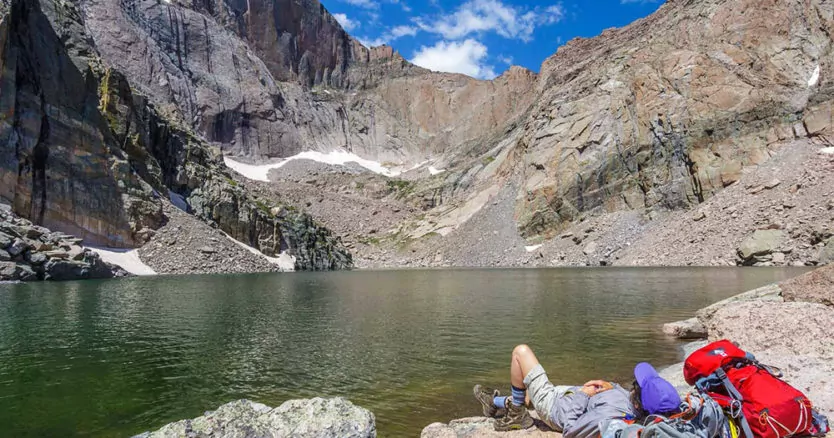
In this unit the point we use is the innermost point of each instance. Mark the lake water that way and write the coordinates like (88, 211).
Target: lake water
(118, 357)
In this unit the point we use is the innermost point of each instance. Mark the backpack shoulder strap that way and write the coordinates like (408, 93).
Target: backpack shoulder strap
(735, 410)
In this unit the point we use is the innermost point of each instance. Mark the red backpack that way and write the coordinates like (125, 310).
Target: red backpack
(753, 394)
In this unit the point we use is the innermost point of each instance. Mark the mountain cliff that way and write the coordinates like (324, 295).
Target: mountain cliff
(85, 154)
(111, 108)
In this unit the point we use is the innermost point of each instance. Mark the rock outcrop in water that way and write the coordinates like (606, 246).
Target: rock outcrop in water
(29, 252)
(87, 154)
(313, 418)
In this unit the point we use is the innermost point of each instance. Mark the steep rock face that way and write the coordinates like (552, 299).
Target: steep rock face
(85, 154)
(59, 164)
(239, 73)
(667, 111)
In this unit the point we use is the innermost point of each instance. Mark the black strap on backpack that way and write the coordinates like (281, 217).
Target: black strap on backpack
(733, 392)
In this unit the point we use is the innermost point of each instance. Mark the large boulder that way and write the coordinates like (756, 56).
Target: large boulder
(790, 328)
(10, 271)
(687, 329)
(793, 336)
(90, 267)
(482, 427)
(812, 375)
(5, 240)
(771, 292)
(760, 243)
(317, 417)
(813, 287)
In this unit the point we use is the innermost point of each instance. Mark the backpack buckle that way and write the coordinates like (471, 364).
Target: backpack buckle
(735, 409)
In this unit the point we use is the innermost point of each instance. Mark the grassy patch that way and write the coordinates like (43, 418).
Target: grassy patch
(263, 206)
(400, 187)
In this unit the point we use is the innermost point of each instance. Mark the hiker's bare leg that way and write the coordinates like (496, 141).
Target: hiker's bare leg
(523, 361)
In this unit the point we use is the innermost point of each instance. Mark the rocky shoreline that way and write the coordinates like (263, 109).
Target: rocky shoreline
(29, 253)
(788, 325)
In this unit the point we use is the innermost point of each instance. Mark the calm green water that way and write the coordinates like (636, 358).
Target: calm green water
(114, 358)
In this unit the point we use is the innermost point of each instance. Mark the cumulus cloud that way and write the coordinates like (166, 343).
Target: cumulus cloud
(389, 36)
(401, 31)
(476, 16)
(371, 42)
(368, 4)
(466, 57)
(346, 22)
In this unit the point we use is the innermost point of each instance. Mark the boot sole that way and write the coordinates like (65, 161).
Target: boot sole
(488, 410)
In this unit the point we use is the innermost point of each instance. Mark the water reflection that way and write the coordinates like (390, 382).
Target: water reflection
(107, 358)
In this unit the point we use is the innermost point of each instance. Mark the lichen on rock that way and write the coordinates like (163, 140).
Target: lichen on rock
(313, 418)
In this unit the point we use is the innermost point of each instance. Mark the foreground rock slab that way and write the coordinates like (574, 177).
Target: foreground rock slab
(482, 427)
(796, 337)
(687, 329)
(815, 287)
(316, 417)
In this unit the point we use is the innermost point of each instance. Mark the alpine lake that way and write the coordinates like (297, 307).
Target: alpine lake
(119, 357)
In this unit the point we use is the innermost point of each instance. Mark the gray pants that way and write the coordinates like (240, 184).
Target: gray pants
(545, 395)
(571, 411)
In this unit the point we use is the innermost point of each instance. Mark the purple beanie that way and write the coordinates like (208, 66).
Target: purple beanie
(656, 394)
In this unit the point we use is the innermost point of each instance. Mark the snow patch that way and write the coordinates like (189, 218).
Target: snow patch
(829, 151)
(259, 172)
(285, 262)
(128, 259)
(815, 77)
(434, 171)
(532, 247)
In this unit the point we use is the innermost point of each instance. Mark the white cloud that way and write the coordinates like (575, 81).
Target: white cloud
(371, 42)
(401, 31)
(466, 57)
(368, 4)
(477, 16)
(390, 35)
(505, 59)
(346, 22)
(554, 14)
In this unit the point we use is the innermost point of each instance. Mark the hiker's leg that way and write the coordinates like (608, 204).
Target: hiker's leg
(544, 396)
(523, 361)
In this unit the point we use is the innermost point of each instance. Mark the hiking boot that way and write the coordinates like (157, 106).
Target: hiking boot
(484, 397)
(517, 418)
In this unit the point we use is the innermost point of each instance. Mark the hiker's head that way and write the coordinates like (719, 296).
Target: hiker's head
(652, 395)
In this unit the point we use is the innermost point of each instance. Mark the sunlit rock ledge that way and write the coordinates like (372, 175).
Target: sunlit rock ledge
(316, 417)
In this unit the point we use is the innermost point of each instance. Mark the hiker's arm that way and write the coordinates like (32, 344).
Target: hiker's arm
(570, 407)
(594, 387)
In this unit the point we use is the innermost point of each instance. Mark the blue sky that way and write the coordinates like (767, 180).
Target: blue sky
(481, 38)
